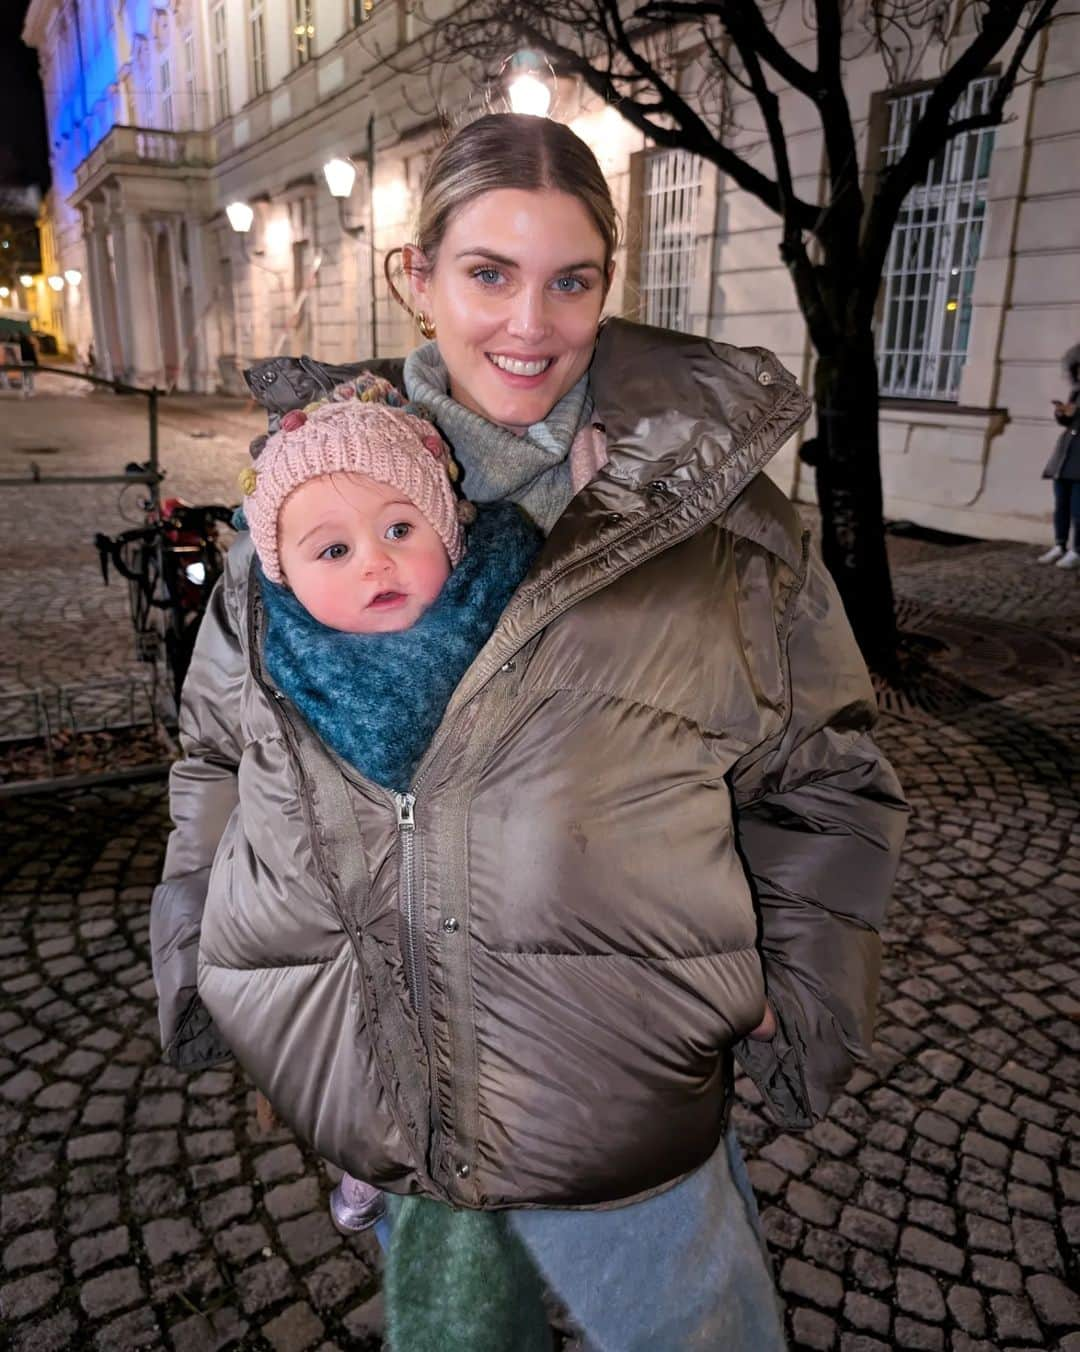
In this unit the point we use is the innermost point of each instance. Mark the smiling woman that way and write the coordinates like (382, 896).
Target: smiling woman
(514, 289)
(649, 835)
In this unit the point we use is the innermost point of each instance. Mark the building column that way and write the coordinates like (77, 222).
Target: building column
(138, 303)
(202, 300)
(99, 286)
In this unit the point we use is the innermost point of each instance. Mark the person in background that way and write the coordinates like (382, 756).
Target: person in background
(29, 354)
(1063, 468)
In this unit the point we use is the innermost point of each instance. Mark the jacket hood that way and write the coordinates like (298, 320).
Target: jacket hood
(677, 406)
(1071, 359)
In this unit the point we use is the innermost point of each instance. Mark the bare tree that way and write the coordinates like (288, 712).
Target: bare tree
(632, 55)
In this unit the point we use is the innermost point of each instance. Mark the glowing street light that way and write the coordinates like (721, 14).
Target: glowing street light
(73, 276)
(340, 176)
(56, 282)
(240, 216)
(5, 291)
(528, 95)
(25, 279)
(530, 83)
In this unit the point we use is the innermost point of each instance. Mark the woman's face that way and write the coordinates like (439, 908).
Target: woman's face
(515, 296)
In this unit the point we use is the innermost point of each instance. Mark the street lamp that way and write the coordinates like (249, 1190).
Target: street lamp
(73, 276)
(5, 291)
(340, 175)
(530, 83)
(240, 216)
(56, 282)
(25, 279)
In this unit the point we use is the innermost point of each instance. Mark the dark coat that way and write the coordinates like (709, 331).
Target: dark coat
(1065, 461)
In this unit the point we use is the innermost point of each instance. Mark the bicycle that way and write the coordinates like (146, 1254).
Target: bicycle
(171, 565)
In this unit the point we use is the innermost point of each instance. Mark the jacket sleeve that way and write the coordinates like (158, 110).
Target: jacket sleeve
(202, 796)
(820, 822)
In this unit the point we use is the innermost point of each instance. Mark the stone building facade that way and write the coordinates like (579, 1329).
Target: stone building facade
(163, 112)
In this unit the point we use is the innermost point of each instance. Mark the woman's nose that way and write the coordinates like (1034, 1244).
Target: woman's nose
(527, 317)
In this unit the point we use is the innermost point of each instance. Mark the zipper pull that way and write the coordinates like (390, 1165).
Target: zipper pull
(405, 818)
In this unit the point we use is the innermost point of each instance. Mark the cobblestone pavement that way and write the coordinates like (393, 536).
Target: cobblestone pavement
(937, 1207)
(62, 628)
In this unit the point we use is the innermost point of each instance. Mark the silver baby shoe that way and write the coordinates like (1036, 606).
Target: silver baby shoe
(355, 1206)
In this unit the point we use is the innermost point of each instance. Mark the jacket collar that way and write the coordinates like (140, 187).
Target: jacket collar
(689, 423)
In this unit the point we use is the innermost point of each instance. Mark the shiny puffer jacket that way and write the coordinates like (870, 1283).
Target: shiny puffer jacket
(651, 799)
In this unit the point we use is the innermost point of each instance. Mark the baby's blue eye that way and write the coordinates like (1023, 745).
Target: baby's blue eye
(334, 552)
(398, 530)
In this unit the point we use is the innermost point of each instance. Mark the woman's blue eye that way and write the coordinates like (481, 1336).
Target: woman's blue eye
(334, 552)
(568, 285)
(489, 276)
(398, 530)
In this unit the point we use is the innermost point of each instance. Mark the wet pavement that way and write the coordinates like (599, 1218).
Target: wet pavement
(937, 1207)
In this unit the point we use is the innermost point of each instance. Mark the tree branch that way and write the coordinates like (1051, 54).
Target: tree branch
(752, 23)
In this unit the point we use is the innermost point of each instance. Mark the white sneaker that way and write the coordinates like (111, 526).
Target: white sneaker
(1051, 556)
(1070, 559)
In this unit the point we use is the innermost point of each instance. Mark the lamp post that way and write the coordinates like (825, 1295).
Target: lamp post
(340, 175)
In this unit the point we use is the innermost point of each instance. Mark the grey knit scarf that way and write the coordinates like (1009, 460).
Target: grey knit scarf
(532, 470)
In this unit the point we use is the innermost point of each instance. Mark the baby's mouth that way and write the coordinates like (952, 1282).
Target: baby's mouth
(384, 599)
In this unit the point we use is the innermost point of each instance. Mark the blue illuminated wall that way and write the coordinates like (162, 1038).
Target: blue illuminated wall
(96, 46)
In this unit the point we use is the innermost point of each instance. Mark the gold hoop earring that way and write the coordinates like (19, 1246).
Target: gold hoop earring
(426, 327)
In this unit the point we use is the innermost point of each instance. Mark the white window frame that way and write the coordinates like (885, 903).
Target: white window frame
(168, 120)
(257, 48)
(219, 42)
(671, 194)
(188, 48)
(929, 276)
(303, 33)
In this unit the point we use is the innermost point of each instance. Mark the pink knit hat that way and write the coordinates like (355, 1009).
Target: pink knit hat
(356, 435)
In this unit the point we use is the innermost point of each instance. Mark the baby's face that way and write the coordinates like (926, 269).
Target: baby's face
(358, 555)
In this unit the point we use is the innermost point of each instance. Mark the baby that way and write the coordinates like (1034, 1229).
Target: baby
(375, 598)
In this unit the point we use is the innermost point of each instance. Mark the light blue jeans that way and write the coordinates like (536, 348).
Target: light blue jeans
(684, 1270)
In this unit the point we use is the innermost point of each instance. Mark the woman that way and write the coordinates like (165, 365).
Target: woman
(1063, 468)
(651, 804)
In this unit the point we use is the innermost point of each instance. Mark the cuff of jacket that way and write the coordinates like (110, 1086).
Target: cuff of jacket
(777, 1066)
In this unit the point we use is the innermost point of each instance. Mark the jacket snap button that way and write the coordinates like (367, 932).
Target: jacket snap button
(764, 378)
(450, 925)
(462, 1170)
(508, 666)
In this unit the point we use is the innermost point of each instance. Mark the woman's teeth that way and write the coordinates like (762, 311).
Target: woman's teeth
(521, 368)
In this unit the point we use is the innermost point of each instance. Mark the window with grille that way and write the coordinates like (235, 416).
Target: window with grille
(257, 38)
(672, 188)
(930, 271)
(303, 32)
(219, 43)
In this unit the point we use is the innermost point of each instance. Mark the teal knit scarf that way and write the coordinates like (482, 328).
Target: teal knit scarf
(377, 699)
(532, 470)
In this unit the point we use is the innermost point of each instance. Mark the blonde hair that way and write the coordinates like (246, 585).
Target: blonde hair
(512, 150)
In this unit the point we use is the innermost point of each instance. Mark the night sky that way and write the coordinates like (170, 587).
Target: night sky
(23, 152)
